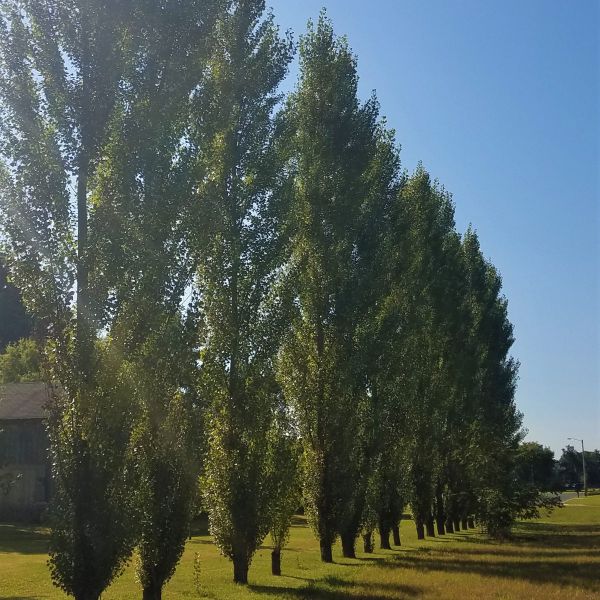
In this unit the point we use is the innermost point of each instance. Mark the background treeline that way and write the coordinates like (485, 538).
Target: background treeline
(536, 465)
(244, 303)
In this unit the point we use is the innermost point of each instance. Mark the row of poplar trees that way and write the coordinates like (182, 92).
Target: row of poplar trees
(244, 303)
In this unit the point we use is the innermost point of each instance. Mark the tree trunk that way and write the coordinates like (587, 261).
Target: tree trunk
(83, 337)
(429, 524)
(276, 561)
(420, 530)
(348, 542)
(396, 535)
(449, 526)
(384, 538)
(440, 516)
(326, 554)
(152, 592)
(441, 529)
(471, 523)
(240, 570)
(464, 524)
(368, 542)
(456, 523)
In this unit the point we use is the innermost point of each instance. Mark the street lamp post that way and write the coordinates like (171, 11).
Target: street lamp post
(583, 461)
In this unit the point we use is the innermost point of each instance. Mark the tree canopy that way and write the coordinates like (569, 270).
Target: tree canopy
(241, 300)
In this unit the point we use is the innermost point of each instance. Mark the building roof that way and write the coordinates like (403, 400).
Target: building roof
(23, 401)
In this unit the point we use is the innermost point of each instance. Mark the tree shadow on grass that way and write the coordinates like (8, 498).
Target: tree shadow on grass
(365, 560)
(556, 535)
(407, 590)
(542, 535)
(358, 591)
(23, 539)
(562, 572)
(201, 541)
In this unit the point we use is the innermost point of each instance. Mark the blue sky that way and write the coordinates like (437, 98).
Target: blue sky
(500, 100)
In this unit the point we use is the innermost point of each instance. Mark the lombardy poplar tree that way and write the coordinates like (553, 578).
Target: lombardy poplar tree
(61, 67)
(139, 197)
(379, 345)
(66, 69)
(381, 181)
(164, 449)
(496, 431)
(235, 239)
(332, 142)
(428, 236)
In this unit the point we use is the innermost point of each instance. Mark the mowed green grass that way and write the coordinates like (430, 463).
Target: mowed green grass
(553, 557)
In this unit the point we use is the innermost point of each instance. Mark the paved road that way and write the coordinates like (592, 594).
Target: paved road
(568, 496)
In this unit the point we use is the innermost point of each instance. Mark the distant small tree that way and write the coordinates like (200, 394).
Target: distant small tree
(570, 466)
(21, 361)
(592, 466)
(14, 321)
(164, 453)
(286, 494)
(535, 466)
(369, 518)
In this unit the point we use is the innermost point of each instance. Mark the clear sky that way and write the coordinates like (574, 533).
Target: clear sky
(500, 100)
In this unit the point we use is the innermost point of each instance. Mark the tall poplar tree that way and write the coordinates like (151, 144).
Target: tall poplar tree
(332, 143)
(378, 431)
(60, 72)
(496, 429)
(66, 68)
(141, 263)
(425, 301)
(235, 239)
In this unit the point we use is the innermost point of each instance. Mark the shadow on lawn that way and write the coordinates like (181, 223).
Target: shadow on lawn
(526, 553)
(356, 590)
(522, 566)
(555, 535)
(22, 539)
(540, 535)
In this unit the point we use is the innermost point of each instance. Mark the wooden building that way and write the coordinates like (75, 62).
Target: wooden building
(24, 464)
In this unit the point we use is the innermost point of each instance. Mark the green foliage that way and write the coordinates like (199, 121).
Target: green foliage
(61, 66)
(210, 275)
(285, 468)
(76, 81)
(570, 467)
(15, 324)
(235, 241)
(536, 466)
(141, 265)
(92, 509)
(333, 150)
(166, 483)
(496, 430)
(21, 361)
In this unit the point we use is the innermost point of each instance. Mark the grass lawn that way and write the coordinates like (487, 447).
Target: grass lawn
(554, 557)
